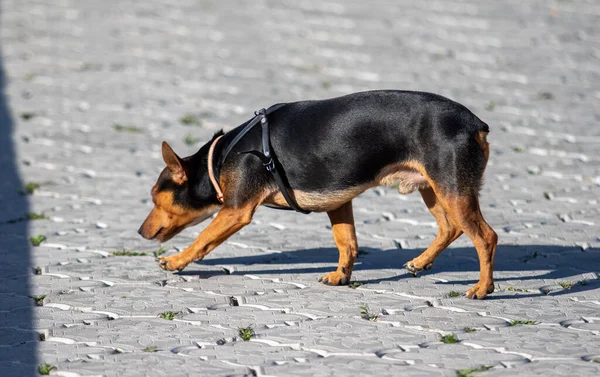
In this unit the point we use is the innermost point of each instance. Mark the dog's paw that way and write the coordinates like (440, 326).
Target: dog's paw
(414, 267)
(480, 290)
(335, 278)
(172, 263)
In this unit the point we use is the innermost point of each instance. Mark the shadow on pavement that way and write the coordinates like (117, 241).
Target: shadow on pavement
(540, 262)
(18, 341)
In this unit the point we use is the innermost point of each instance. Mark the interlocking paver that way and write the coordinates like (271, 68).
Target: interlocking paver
(91, 88)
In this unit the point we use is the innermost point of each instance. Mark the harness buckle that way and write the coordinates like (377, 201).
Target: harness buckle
(269, 165)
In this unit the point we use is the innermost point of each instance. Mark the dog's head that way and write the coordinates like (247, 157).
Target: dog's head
(182, 196)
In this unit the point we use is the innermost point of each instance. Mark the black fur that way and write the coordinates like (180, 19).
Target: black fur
(342, 142)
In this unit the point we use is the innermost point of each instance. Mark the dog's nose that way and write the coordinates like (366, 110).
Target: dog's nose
(140, 232)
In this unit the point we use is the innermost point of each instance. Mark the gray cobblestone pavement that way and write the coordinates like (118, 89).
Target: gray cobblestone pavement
(91, 88)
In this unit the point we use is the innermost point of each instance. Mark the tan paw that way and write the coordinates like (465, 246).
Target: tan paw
(480, 290)
(335, 278)
(172, 263)
(416, 265)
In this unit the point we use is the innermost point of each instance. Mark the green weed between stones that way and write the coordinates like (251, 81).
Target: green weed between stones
(190, 140)
(246, 333)
(30, 216)
(131, 129)
(151, 349)
(449, 339)
(468, 372)
(491, 106)
(521, 322)
(37, 240)
(28, 115)
(566, 284)
(190, 120)
(355, 284)
(513, 289)
(45, 369)
(365, 313)
(39, 299)
(128, 253)
(454, 294)
(545, 96)
(161, 250)
(169, 316)
(29, 188)
(470, 329)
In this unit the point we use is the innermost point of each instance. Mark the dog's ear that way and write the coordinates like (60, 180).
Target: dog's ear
(174, 163)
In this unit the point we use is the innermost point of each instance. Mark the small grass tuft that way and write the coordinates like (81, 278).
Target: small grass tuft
(522, 322)
(545, 96)
(449, 339)
(365, 313)
(39, 299)
(37, 240)
(128, 253)
(246, 333)
(151, 349)
(566, 284)
(190, 140)
(325, 84)
(355, 284)
(36, 216)
(468, 372)
(169, 316)
(30, 187)
(161, 250)
(454, 294)
(519, 149)
(123, 128)
(470, 329)
(45, 369)
(30, 216)
(513, 289)
(28, 115)
(491, 106)
(190, 120)
(29, 76)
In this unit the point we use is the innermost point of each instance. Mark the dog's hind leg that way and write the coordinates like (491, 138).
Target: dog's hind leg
(344, 234)
(447, 233)
(466, 214)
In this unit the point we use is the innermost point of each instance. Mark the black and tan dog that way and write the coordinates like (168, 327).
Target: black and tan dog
(331, 151)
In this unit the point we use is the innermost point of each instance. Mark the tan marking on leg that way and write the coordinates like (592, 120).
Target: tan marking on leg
(344, 234)
(466, 214)
(447, 233)
(227, 222)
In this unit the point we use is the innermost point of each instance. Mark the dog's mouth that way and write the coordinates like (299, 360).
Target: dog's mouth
(157, 234)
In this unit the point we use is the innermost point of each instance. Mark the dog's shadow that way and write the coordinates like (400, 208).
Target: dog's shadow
(528, 262)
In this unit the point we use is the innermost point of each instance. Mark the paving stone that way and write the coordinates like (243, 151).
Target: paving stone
(88, 90)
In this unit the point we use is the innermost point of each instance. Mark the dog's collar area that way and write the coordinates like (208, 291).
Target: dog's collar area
(211, 172)
(267, 158)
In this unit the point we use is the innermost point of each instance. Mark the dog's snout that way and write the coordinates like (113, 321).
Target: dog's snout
(140, 232)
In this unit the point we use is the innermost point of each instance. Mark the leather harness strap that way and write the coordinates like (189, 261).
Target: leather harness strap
(267, 158)
(211, 172)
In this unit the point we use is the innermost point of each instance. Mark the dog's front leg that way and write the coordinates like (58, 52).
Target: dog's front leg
(342, 223)
(227, 222)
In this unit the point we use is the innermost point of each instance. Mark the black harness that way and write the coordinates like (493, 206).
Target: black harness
(267, 158)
